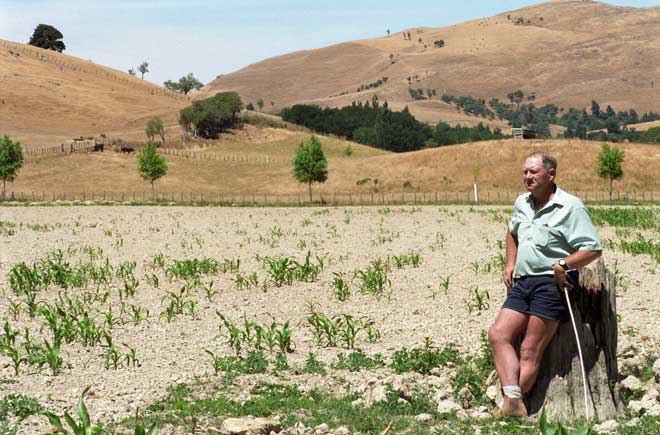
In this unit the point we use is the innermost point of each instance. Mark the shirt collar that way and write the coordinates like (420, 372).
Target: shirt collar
(559, 199)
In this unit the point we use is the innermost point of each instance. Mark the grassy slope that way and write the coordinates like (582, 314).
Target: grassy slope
(497, 165)
(568, 54)
(48, 97)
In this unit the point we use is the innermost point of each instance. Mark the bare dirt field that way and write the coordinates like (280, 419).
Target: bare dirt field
(456, 245)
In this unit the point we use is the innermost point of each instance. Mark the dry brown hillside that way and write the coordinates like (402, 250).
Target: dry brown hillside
(263, 166)
(47, 97)
(566, 53)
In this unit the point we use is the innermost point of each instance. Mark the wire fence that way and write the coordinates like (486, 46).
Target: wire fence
(302, 198)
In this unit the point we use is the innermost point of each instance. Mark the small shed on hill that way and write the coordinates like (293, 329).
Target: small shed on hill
(523, 133)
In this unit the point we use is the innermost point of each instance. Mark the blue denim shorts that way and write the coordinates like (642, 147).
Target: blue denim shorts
(540, 296)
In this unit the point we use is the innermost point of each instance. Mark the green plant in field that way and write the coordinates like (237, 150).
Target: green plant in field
(342, 290)
(479, 300)
(234, 336)
(548, 428)
(138, 314)
(423, 359)
(230, 265)
(177, 303)
(313, 365)
(307, 270)
(53, 357)
(209, 291)
(216, 362)
(358, 360)
(374, 280)
(328, 331)
(412, 259)
(281, 270)
(85, 426)
(14, 409)
(444, 284)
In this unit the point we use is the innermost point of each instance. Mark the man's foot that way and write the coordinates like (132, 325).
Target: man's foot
(512, 408)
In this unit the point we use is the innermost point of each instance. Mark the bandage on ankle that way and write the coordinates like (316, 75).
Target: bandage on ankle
(512, 391)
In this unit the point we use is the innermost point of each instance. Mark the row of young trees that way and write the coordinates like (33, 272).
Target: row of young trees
(309, 164)
(380, 127)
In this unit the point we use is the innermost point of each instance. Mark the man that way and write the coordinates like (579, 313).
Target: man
(550, 235)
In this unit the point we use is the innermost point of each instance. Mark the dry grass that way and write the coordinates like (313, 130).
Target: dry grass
(497, 165)
(49, 97)
(568, 54)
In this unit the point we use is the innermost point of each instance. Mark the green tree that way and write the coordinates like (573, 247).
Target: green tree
(185, 84)
(595, 109)
(131, 71)
(151, 165)
(211, 116)
(143, 68)
(11, 161)
(610, 164)
(155, 127)
(48, 37)
(309, 164)
(260, 103)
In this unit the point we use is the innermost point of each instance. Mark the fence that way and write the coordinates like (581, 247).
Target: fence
(301, 198)
(224, 157)
(67, 147)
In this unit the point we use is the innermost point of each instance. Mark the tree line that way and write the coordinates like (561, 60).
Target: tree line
(378, 126)
(520, 111)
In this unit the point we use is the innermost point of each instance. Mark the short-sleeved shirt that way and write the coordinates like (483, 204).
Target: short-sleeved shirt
(560, 228)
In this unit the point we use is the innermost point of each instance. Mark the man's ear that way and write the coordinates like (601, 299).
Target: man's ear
(552, 173)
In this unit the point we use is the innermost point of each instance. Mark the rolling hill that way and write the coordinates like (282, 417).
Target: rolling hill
(563, 52)
(47, 97)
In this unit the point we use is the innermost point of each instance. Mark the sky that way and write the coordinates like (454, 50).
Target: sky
(209, 38)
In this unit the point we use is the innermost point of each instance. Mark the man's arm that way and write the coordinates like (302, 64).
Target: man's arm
(511, 255)
(576, 260)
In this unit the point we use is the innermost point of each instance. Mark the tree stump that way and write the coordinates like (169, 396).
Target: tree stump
(559, 385)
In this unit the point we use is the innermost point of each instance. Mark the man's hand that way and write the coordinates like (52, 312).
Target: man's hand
(563, 281)
(507, 276)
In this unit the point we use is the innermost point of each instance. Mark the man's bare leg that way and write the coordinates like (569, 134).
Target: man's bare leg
(539, 333)
(506, 328)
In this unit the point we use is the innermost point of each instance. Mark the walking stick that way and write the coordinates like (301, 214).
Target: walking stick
(577, 339)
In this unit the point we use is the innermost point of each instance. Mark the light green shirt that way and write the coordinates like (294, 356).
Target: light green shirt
(560, 228)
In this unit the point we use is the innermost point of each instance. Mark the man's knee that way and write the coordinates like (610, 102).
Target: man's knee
(497, 335)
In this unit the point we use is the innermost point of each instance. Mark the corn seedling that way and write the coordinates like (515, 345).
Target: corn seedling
(13, 352)
(234, 336)
(53, 357)
(342, 290)
(130, 356)
(216, 362)
(308, 271)
(374, 279)
(138, 314)
(230, 265)
(480, 300)
(281, 270)
(412, 259)
(14, 309)
(209, 291)
(152, 280)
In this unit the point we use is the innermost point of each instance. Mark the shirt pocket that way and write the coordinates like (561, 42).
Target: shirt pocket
(545, 236)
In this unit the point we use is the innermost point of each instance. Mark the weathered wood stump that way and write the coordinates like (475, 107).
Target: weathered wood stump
(559, 387)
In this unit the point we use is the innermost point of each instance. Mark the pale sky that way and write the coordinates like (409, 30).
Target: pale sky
(209, 38)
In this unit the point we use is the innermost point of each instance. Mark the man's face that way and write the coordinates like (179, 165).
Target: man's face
(535, 176)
